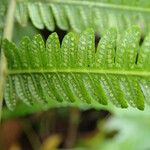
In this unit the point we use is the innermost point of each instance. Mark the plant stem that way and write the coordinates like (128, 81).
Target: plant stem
(31, 134)
(9, 23)
(7, 34)
(73, 127)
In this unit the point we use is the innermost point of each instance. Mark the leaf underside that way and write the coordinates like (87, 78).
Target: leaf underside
(117, 71)
(79, 14)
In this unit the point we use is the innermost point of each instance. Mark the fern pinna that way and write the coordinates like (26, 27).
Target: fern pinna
(79, 14)
(117, 71)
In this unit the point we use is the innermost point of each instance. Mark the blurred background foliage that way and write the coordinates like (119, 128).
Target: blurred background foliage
(78, 129)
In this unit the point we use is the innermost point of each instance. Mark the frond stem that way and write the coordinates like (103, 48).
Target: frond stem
(9, 23)
(82, 71)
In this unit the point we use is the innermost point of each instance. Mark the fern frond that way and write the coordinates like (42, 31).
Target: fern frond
(79, 14)
(117, 71)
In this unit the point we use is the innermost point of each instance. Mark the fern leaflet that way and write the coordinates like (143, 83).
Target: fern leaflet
(75, 72)
(77, 15)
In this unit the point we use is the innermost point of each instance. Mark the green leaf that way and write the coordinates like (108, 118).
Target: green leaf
(79, 14)
(131, 130)
(75, 72)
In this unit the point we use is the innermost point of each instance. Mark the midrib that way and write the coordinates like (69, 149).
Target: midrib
(102, 5)
(83, 71)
